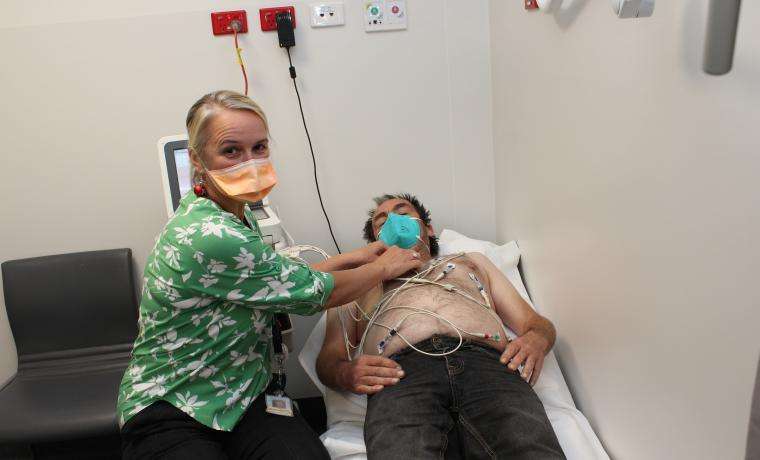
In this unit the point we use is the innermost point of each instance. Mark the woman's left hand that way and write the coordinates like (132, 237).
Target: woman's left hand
(353, 259)
(370, 253)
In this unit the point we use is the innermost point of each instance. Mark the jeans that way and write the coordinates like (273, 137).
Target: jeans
(463, 405)
(161, 431)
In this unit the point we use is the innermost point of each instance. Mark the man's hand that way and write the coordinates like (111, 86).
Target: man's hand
(530, 350)
(369, 374)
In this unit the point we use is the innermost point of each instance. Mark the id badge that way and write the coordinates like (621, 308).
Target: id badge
(279, 405)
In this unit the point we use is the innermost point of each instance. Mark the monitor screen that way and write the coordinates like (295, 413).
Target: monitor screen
(178, 170)
(184, 170)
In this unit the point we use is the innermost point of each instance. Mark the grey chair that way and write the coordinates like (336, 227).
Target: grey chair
(74, 319)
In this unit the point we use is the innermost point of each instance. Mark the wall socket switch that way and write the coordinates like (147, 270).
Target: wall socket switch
(380, 15)
(327, 14)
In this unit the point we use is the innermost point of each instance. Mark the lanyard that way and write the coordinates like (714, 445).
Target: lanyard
(279, 379)
(277, 334)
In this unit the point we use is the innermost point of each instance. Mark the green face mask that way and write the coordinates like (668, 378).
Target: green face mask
(399, 230)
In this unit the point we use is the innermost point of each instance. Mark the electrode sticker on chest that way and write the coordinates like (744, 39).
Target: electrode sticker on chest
(387, 314)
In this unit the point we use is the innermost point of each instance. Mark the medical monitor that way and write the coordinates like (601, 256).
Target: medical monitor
(176, 172)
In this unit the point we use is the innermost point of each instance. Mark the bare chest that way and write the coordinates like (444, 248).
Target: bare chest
(452, 298)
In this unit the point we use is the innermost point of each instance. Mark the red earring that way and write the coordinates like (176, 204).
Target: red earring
(200, 189)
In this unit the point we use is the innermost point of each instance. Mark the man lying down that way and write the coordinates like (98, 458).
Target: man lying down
(430, 349)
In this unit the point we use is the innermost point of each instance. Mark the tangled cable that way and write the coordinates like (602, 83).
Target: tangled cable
(382, 307)
(420, 279)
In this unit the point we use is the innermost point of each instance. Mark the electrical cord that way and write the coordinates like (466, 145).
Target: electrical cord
(311, 149)
(294, 252)
(387, 299)
(235, 25)
(383, 307)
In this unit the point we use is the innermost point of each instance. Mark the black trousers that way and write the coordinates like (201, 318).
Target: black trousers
(464, 405)
(161, 431)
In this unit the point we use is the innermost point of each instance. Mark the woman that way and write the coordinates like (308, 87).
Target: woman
(201, 361)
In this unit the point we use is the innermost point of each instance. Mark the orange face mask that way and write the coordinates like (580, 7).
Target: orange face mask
(249, 181)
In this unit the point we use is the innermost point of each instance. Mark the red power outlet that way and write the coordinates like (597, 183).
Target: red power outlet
(268, 17)
(220, 22)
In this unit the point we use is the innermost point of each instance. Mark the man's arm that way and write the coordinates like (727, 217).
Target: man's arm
(363, 375)
(333, 354)
(536, 334)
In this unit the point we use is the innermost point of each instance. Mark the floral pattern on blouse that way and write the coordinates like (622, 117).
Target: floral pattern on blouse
(211, 288)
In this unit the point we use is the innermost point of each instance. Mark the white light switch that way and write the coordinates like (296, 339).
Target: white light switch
(327, 14)
(382, 15)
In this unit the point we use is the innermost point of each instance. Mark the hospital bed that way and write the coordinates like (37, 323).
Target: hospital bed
(344, 437)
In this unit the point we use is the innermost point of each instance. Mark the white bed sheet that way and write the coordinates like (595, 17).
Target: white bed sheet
(344, 438)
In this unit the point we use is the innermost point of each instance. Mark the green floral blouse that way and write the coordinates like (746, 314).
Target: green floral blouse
(210, 291)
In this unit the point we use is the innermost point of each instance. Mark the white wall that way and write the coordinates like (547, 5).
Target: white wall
(629, 178)
(88, 88)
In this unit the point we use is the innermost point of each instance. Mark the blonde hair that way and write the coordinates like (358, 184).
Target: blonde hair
(203, 111)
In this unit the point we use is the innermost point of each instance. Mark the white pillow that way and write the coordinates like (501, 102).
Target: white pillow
(345, 411)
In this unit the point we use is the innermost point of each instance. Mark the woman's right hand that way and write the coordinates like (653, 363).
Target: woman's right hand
(354, 283)
(396, 261)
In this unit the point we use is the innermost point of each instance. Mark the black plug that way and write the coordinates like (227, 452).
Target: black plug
(286, 36)
(285, 30)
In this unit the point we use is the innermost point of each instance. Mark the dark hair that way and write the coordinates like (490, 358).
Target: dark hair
(369, 234)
